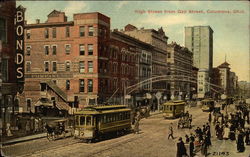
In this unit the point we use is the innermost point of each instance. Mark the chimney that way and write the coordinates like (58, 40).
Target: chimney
(37, 21)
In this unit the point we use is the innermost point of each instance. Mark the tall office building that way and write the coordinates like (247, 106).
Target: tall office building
(199, 40)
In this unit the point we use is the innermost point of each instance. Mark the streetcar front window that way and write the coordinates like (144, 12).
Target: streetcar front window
(77, 120)
(88, 121)
(82, 120)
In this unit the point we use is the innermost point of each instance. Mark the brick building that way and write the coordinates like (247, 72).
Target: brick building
(8, 81)
(180, 62)
(62, 59)
(136, 57)
(158, 40)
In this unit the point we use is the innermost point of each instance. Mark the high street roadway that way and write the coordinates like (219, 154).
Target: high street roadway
(151, 142)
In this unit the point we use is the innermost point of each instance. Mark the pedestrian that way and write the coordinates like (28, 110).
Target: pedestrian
(187, 138)
(190, 121)
(181, 149)
(137, 119)
(170, 131)
(191, 147)
(247, 140)
(210, 117)
(226, 132)
(205, 146)
(240, 142)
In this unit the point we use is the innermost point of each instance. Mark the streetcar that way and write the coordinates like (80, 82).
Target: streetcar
(208, 105)
(93, 122)
(173, 109)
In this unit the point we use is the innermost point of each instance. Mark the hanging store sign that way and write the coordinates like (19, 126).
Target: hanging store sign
(19, 31)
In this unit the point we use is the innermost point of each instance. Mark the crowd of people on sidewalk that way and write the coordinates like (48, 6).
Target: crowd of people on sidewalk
(226, 127)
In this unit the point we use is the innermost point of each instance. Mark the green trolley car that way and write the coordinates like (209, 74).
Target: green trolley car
(94, 121)
(173, 109)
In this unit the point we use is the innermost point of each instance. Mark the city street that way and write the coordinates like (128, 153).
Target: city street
(151, 142)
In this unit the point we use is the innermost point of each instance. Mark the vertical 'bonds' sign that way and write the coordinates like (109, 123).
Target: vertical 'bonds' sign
(19, 31)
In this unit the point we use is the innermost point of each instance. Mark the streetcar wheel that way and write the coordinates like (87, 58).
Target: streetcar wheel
(49, 136)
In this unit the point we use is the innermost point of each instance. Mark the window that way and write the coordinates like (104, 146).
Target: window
(67, 49)
(90, 66)
(67, 66)
(90, 85)
(169, 55)
(46, 33)
(88, 120)
(28, 104)
(82, 31)
(28, 50)
(53, 32)
(90, 49)
(81, 86)
(82, 49)
(67, 32)
(46, 66)
(54, 66)
(54, 50)
(28, 66)
(82, 120)
(28, 34)
(3, 30)
(46, 50)
(91, 31)
(67, 84)
(81, 67)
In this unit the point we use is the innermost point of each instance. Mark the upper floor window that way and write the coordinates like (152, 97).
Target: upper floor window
(81, 67)
(28, 34)
(67, 32)
(46, 33)
(90, 85)
(82, 31)
(67, 84)
(53, 32)
(54, 49)
(28, 49)
(90, 49)
(46, 50)
(28, 64)
(82, 49)
(4, 70)
(90, 66)
(54, 66)
(91, 31)
(46, 66)
(81, 86)
(3, 30)
(67, 66)
(67, 49)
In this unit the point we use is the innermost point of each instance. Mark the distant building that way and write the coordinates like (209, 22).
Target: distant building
(203, 83)
(225, 81)
(179, 59)
(199, 40)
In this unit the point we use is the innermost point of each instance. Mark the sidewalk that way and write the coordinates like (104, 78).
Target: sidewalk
(25, 138)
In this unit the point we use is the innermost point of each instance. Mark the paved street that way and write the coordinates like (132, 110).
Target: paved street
(151, 142)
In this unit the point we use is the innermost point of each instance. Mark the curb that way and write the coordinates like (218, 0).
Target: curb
(21, 140)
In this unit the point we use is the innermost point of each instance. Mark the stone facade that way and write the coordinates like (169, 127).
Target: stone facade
(199, 40)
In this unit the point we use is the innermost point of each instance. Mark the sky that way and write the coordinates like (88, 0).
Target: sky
(230, 23)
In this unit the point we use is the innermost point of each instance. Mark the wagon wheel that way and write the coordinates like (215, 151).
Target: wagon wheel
(50, 136)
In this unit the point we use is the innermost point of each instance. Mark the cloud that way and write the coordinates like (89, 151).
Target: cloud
(168, 20)
(75, 7)
(180, 3)
(121, 4)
